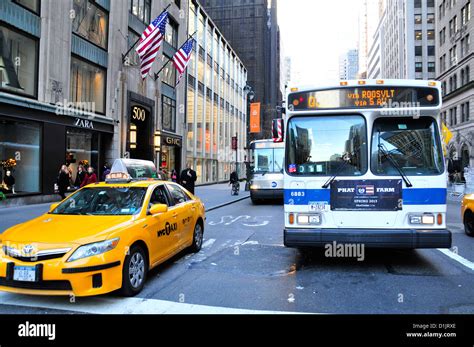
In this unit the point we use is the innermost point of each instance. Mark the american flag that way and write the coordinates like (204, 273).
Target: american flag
(150, 43)
(182, 56)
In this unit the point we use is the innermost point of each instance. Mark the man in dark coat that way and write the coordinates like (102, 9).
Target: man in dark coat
(188, 178)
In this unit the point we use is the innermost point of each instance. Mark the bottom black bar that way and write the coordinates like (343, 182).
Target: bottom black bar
(322, 330)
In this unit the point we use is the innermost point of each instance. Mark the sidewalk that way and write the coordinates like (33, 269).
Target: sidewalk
(212, 196)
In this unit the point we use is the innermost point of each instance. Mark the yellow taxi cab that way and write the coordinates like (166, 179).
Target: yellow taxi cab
(102, 238)
(467, 214)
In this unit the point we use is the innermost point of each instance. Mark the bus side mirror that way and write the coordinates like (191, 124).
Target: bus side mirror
(158, 209)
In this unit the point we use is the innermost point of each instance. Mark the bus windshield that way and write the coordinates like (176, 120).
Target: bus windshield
(268, 160)
(327, 145)
(414, 144)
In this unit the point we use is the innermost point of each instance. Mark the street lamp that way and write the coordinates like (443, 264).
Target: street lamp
(248, 90)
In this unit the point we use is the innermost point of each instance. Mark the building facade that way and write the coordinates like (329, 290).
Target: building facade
(374, 62)
(455, 57)
(408, 36)
(369, 17)
(216, 103)
(252, 29)
(349, 65)
(69, 93)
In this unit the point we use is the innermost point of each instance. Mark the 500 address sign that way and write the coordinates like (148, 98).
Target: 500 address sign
(138, 113)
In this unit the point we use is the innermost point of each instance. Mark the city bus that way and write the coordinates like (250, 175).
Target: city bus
(364, 165)
(266, 181)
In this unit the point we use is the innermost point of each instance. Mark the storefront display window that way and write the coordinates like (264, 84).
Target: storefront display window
(18, 62)
(19, 157)
(82, 148)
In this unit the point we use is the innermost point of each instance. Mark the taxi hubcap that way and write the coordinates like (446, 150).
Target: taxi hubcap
(137, 270)
(198, 235)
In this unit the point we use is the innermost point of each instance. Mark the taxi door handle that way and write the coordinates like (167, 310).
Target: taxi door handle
(175, 215)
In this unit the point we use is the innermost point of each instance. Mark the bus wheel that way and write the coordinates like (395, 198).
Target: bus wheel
(469, 223)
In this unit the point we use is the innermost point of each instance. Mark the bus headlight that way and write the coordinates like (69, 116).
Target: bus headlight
(309, 219)
(425, 219)
(254, 186)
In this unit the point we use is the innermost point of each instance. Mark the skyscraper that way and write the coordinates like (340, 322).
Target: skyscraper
(408, 40)
(349, 65)
(252, 30)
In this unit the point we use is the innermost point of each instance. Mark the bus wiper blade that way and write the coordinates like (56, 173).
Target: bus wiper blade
(345, 161)
(392, 161)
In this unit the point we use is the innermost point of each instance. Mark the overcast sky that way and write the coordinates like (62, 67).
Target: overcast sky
(314, 33)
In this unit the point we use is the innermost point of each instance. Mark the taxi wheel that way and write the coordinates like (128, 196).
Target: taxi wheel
(135, 269)
(197, 238)
(469, 223)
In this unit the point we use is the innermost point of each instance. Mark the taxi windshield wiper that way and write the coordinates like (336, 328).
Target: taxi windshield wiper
(392, 161)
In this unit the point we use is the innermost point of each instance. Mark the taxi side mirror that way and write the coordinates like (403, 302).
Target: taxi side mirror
(158, 209)
(53, 206)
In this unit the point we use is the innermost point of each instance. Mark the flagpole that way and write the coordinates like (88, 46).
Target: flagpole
(169, 59)
(124, 56)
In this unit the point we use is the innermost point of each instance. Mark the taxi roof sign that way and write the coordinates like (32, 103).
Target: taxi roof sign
(132, 169)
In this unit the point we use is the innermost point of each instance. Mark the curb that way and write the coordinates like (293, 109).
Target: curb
(226, 204)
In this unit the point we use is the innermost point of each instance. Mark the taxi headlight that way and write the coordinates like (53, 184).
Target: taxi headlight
(93, 249)
(309, 219)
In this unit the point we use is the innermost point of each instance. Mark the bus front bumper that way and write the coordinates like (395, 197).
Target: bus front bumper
(371, 238)
(266, 194)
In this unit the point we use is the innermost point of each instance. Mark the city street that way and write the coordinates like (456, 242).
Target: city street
(243, 267)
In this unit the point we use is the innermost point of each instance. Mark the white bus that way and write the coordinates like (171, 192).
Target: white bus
(266, 181)
(364, 165)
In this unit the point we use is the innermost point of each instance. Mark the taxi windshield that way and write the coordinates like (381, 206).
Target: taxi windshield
(106, 201)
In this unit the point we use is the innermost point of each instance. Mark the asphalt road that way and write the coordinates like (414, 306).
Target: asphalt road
(244, 267)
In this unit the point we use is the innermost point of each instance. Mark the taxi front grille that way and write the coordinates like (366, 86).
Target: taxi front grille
(40, 285)
(37, 258)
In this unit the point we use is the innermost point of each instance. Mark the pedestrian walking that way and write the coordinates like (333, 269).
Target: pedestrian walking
(188, 179)
(174, 176)
(105, 172)
(90, 178)
(63, 181)
(80, 176)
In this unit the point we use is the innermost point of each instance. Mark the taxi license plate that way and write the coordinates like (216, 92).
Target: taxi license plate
(24, 273)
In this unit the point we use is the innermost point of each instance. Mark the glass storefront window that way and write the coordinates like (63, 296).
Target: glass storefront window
(87, 86)
(208, 126)
(90, 22)
(199, 120)
(216, 130)
(190, 119)
(168, 113)
(20, 141)
(201, 70)
(18, 62)
(32, 5)
(82, 147)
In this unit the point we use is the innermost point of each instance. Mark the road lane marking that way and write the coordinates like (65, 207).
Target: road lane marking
(458, 258)
(208, 243)
(103, 305)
